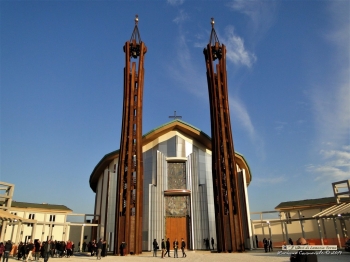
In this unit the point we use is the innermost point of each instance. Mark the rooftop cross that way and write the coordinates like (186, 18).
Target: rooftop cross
(175, 116)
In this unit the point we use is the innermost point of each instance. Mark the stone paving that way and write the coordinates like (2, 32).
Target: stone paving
(206, 256)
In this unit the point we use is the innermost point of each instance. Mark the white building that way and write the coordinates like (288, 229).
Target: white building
(21, 221)
(49, 222)
(321, 221)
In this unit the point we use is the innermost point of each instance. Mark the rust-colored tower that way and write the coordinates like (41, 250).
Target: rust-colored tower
(130, 165)
(227, 203)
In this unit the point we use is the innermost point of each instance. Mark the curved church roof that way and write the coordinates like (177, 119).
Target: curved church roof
(176, 124)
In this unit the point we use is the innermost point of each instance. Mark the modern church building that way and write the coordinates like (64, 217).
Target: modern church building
(178, 200)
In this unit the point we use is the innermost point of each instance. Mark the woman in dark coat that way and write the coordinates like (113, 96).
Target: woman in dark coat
(20, 251)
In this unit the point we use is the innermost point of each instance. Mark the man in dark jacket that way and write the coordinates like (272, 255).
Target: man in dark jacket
(183, 245)
(37, 249)
(52, 248)
(47, 250)
(269, 244)
(8, 248)
(265, 244)
(99, 248)
(163, 247)
(167, 245)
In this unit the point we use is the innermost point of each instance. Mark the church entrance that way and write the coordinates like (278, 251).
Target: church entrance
(177, 221)
(177, 228)
(177, 205)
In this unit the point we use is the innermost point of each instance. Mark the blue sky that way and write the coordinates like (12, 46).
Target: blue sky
(62, 86)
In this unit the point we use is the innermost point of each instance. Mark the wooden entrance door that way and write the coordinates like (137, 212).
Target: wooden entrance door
(177, 228)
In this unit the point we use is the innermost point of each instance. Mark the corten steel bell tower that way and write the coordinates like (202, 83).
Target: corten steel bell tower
(227, 189)
(130, 165)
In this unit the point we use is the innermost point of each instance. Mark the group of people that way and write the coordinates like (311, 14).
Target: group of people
(44, 249)
(98, 248)
(165, 246)
(5, 250)
(207, 245)
(267, 245)
(299, 256)
(34, 251)
(30, 251)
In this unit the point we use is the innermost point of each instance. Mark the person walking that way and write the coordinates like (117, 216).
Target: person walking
(69, 248)
(269, 242)
(155, 247)
(167, 245)
(163, 247)
(93, 248)
(30, 248)
(183, 245)
(7, 250)
(212, 243)
(47, 250)
(37, 246)
(265, 244)
(175, 246)
(99, 248)
(19, 251)
(2, 249)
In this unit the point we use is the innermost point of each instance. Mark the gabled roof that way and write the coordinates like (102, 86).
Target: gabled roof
(182, 126)
(176, 124)
(44, 206)
(307, 203)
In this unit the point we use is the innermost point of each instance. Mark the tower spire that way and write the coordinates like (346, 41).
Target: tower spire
(216, 48)
(129, 193)
(213, 36)
(135, 36)
(228, 201)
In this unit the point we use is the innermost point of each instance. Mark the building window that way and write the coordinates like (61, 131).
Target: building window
(52, 219)
(31, 216)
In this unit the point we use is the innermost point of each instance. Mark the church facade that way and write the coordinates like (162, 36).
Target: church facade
(178, 199)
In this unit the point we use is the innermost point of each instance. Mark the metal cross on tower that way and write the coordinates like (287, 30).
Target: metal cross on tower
(228, 200)
(130, 165)
(175, 116)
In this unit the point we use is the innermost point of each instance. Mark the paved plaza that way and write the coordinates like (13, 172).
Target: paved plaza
(206, 256)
